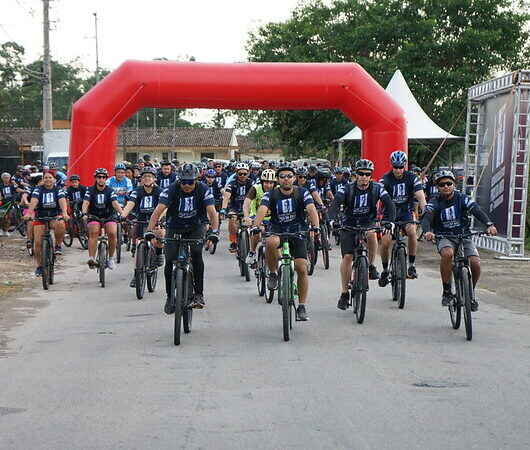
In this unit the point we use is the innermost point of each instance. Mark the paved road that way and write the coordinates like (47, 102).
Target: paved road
(96, 369)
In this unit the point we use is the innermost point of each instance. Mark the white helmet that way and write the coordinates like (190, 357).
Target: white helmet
(268, 175)
(241, 166)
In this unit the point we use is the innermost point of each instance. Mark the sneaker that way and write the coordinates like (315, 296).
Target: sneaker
(411, 273)
(29, 244)
(272, 282)
(160, 260)
(474, 305)
(383, 279)
(169, 307)
(447, 298)
(344, 301)
(58, 250)
(111, 264)
(7, 233)
(38, 271)
(301, 313)
(91, 263)
(233, 247)
(198, 301)
(373, 273)
(133, 282)
(2, 233)
(251, 258)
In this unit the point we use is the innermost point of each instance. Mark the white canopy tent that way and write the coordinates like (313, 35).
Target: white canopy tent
(419, 125)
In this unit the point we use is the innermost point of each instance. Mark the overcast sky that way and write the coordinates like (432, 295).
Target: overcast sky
(209, 30)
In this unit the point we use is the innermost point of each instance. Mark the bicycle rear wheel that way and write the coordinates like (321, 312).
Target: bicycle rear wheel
(187, 313)
(152, 270)
(360, 289)
(45, 250)
(102, 262)
(324, 240)
(140, 269)
(82, 234)
(284, 296)
(177, 291)
(467, 290)
(400, 275)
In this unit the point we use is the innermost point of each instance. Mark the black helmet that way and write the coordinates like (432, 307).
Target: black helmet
(285, 166)
(364, 164)
(188, 172)
(301, 171)
(74, 177)
(338, 170)
(323, 172)
(101, 171)
(313, 168)
(148, 169)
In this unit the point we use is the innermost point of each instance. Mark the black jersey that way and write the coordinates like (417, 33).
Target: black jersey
(100, 201)
(287, 211)
(7, 191)
(451, 215)
(165, 180)
(145, 202)
(75, 195)
(238, 193)
(48, 201)
(186, 210)
(402, 190)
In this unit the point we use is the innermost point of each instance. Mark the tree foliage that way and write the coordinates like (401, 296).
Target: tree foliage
(441, 46)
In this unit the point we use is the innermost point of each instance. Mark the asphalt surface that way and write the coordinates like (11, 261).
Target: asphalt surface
(96, 369)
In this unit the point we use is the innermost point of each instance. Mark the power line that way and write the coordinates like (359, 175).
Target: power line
(29, 11)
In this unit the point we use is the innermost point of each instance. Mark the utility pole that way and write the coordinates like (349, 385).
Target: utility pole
(97, 48)
(47, 120)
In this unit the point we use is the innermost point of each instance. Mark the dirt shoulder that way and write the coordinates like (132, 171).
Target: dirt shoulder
(503, 282)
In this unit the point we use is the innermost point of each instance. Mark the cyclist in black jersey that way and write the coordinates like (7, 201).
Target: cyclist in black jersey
(75, 193)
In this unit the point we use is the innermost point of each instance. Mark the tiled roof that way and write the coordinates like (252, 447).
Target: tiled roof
(179, 137)
(23, 136)
(247, 143)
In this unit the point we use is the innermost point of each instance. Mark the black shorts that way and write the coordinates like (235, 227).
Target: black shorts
(347, 240)
(297, 246)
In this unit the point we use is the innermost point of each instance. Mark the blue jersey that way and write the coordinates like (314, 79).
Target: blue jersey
(451, 216)
(238, 192)
(7, 191)
(402, 190)
(120, 188)
(287, 211)
(186, 210)
(145, 202)
(360, 205)
(165, 180)
(100, 201)
(48, 201)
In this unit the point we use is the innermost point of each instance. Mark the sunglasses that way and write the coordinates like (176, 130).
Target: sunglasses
(364, 174)
(301, 176)
(101, 176)
(447, 183)
(286, 175)
(187, 182)
(242, 174)
(398, 167)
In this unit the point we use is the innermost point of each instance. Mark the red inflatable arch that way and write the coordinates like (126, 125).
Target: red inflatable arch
(274, 86)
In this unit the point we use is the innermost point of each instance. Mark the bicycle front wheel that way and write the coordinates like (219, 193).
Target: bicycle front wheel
(187, 312)
(467, 290)
(45, 251)
(68, 238)
(140, 269)
(284, 296)
(119, 242)
(244, 249)
(177, 291)
(260, 272)
(311, 256)
(360, 288)
(152, 270)
(324, 240)
(102, 262)
(400, 275)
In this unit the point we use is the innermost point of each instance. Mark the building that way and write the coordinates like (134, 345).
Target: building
(249, 149)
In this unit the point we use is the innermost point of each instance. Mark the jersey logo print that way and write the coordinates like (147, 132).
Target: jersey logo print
(399, 190)
(48, 198)
(188, 204)
(449, 214)
(287, 206)
(100, 199)
(148, 202)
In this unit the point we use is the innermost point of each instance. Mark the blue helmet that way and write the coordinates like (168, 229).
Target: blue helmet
(398, 158)
(120, 166)
(210, 173)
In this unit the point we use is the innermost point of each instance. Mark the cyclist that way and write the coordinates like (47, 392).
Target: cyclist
(120, 184)
(8, 194)
(338, 180)
(47, 200)
(75, 193)
(403, 187)
(233, 197)
(101, 201)
(254, 171)
(251, 204)
(210, 181)
(129, 173)
(448, 213)
(287, 205)
(302, 180)
(60, 177)
(166, 176)
(143, 200)
(220, 175)
(359, 200)
(188, 203)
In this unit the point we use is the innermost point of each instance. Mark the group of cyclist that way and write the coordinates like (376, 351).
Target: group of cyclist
(192, 199)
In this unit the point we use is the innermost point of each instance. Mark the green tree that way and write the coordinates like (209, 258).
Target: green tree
(441, 46)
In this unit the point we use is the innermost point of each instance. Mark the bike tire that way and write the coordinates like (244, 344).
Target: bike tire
(45, 249)
(187, 313)
(284, 295)
(243, 252)
(455, 308)
(119, 242)
(140, 270)
(213, 248)
(337, 237)
(361, 287)
(51, 265)
(69, 235)
(401, 277)
(102, 262)
(311, 254)
(324, 240)
(467, 289)
(260, 272)
(22, 228)
(152, 270)
(177, 292)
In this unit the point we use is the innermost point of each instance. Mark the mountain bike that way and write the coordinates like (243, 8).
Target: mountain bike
(324, 238)
(465, 293)
(182, 287)
(243, 245)
(119, 241)
(287, 288)
(76, 228)
(359, 285)
(102, 254)
(262, 270)
(398, 263)
(312, 254)
(146, 267)
(47, 252)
